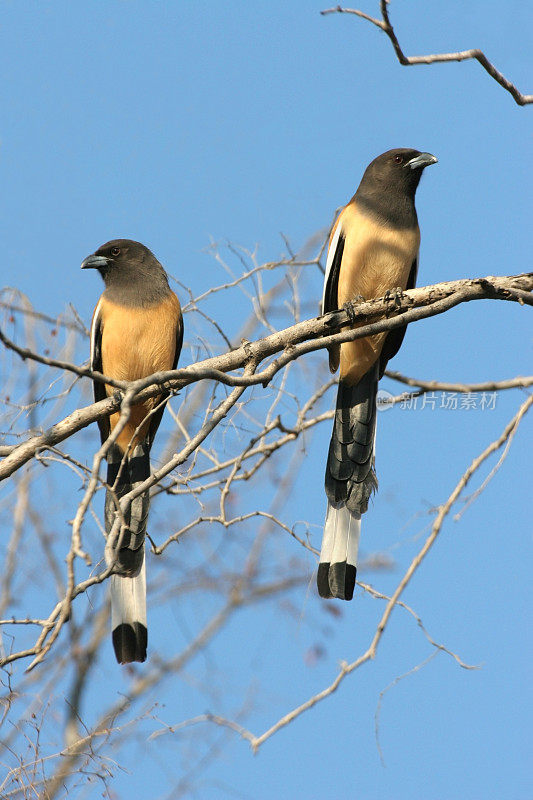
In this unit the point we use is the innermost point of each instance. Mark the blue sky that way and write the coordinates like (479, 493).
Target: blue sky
(180, 124)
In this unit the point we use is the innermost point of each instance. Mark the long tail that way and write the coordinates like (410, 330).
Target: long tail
(350, 480)
(128, 589)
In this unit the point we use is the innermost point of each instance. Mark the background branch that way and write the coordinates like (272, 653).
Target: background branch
(385, 25)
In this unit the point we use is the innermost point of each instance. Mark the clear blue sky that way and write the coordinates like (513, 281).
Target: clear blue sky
(179, 123)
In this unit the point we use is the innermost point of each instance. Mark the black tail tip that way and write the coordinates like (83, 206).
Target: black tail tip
(322, 580)
(130, 642)
(336, 580)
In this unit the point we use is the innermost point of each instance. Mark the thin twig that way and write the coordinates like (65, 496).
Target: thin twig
(348, 668)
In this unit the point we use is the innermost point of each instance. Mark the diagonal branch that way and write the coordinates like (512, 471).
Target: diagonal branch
(384, 24)
(443, 511)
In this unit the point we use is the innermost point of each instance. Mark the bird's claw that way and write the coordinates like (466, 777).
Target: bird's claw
(394, 296)
(349, 307)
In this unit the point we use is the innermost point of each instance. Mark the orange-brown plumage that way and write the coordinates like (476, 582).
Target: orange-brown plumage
(376, 258)
(137, 342)
(137, 330)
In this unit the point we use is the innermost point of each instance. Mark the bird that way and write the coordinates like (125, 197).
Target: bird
(373, 250)
(137, 330)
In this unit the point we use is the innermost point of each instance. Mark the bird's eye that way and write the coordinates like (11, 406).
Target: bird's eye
(115, 251)
(398, 159)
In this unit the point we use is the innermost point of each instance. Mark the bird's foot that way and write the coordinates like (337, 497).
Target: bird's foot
(394, 296)
(349, 307)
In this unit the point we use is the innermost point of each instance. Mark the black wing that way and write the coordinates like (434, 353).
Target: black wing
(394, 339)
(156, 417)
(330, 297)
(96, 365)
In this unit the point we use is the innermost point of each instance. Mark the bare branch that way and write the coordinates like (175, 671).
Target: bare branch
(348, 668)
(442, 386)
(293, 342)
(384, 24)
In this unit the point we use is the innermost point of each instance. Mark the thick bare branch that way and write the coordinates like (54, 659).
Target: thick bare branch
(293, 342)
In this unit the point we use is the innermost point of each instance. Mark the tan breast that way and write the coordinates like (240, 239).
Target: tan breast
(375, 259)
(137, 342)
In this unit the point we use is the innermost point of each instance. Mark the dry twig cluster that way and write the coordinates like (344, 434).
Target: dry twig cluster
(226, 440)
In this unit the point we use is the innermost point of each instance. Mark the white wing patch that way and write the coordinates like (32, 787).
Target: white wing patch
(331, 255)
(94, 328)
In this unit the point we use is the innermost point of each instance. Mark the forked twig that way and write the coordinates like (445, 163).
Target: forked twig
(384, 24)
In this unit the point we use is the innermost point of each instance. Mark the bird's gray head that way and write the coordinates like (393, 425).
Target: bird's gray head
(398, 170)
(131, 272)
(387, 189)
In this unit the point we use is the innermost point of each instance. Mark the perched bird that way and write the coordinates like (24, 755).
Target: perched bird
(137, 329)
(373, 250)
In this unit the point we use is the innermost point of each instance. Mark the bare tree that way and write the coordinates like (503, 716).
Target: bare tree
(237, 430)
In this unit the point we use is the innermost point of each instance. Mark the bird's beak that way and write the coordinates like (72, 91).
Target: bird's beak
(421, 161)
(95, 262)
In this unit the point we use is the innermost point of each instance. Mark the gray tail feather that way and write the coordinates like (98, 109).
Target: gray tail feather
(128, 587)
(350, 481)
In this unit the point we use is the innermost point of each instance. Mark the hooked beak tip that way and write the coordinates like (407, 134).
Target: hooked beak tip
(422, 160)
(94, 262)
